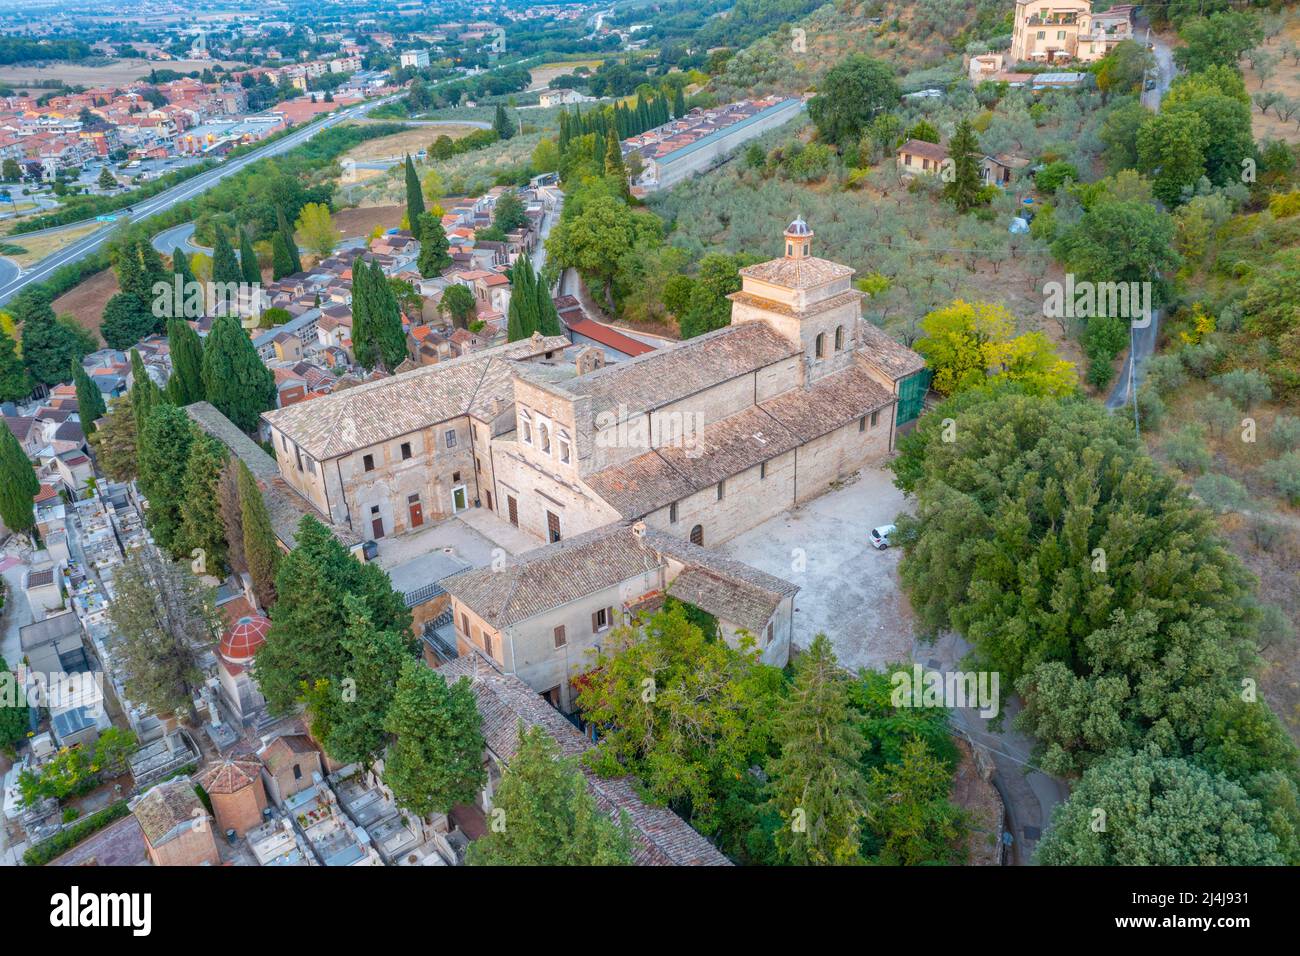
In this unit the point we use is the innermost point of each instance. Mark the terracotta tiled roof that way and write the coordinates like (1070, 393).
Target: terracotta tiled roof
(882, 352)
(240, 643)
(604, 335)
(665, 376)
(230, 776)
(166, 808)
(806, 273)
(925, 150)
(342, 422)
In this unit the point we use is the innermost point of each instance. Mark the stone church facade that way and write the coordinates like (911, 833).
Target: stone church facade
(711, 437)
(702, 440)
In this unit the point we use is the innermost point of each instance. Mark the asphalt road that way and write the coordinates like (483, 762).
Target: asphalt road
(177, 194)
(8, 271)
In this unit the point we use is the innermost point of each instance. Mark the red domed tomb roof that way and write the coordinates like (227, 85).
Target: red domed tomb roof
(242, 640)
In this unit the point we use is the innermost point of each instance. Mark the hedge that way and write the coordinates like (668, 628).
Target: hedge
(68, 837)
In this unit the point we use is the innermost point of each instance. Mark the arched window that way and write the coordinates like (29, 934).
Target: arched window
(819, 349)
(697, 535)
(839, 338)
(544, 437)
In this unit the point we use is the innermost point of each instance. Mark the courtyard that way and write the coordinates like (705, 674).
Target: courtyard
(848, 589)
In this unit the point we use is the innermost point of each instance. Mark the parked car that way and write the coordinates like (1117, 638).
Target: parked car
(880, 536)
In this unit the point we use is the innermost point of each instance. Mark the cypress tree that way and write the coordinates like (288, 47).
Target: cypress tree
(434, 255)
(548, 317)
(962, 189)
(90, 400)
(181, 265)
(200, 506)
(414, 197)
(281, 258)
(234, 378)
(363, 345)
(248, 266)
(145, 395)
(164, 455)
(261, 551)
(15, 384)
(18, 485)
(186, 384)
(502, 124)
(521, 317)
(679, 104)
(225, 267)
(286, 236)
(390, 339)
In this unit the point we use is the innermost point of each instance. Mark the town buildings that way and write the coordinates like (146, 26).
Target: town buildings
(1055, 31)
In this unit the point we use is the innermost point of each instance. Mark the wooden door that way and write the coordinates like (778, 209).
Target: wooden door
(417, 511)
(552, 526)
(514, 510)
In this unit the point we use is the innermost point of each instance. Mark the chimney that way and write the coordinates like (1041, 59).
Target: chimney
(589, 359)
(638, 529)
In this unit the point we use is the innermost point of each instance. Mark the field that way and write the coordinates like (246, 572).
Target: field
(38, 247)
(362, 221)
(118, 73)
(1284, 80)
(543, 74)
(85, 302)
(399, 144)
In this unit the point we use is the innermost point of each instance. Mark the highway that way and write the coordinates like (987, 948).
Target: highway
(12, 285)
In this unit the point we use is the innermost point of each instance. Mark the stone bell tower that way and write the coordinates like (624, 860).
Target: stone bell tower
(808, 300)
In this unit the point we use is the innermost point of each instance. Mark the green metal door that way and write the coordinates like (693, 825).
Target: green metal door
(911, 395)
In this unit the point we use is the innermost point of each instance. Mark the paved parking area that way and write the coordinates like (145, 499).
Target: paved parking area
(848, 589)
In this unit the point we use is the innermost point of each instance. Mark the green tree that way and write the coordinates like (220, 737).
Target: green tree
(385, 319)
(165, 619)
(414, 195)
(202, 536)
(502, 125)
(234, 378)
(288, 242)
(304, 644)
(911, 820)
(961, 185)
(49, 346)
(348, 710)
(457, 303)
(15, 384)
(185, 387)
(18, 485)
(522, 318)
(164, 453)
(15, 713)
(225, 267)
(114, 442)
(282, 259)
(509, 214)
(436, 758)
(145, 396)
(1158, 811)
(550, 817)
(1171, 145)
(434, 255)
(249, 269)
(816, 781)
(594, 239)
(316, 228)
(848, 98)
(1217, 40)
(90, 400)
(1119, 132)
(723, 693)
(126, 320)
(259, 547)
(1128, 241)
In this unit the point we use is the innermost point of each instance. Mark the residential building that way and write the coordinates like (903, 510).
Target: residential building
(1055, 31)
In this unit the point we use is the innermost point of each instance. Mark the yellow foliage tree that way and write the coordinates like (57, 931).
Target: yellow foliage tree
(967, 343)
(316, 229)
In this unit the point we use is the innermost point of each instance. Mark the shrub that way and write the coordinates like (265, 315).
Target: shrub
(1284, 475)
(1166, 372)
(1203, 358)
(1246, 387)
(1052, 176)
(1273, 629)
(1284, 434)
(67, 838)
(1220, 493)
(1186, 449)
